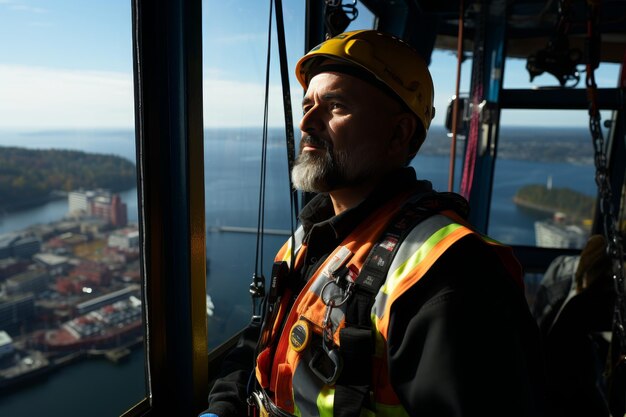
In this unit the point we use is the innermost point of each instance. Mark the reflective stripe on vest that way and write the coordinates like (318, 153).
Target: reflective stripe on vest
(295, 388)
(284, 253)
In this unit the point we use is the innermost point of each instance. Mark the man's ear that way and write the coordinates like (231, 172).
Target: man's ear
(403, 131)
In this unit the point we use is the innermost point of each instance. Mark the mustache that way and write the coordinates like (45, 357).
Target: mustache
(310, 140)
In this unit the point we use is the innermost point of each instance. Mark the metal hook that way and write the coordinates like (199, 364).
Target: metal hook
(344, 297)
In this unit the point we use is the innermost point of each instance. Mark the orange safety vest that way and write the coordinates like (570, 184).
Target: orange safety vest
(283, 368)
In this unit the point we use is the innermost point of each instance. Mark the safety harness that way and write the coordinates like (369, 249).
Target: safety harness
(356, 339)
(356, 347)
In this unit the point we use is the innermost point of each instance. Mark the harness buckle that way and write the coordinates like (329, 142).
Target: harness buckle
(326, 364)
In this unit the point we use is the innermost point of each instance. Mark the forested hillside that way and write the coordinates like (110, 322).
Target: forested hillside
(29, 177)
(575, 205)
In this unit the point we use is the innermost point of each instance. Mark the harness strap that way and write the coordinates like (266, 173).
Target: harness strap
(356, 339)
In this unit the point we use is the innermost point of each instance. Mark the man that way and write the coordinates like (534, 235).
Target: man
(388, 302)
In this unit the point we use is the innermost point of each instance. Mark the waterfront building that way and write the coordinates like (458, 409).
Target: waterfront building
(64, 242)
(12, 266)
(43, 231)
(119, 212)
(556, 233)
(84, 277)
(6, 344)
(95, 273)
(70, 286)
(101, 207)
(35, 280)
(6, 240)
(98, 203)
(54, 264)
(15, 310)
(94, 226)
(124, 239)
(131, 275)
(106, 299)
(18, 246)
(25, 247)
(68, 226)
(78, 201)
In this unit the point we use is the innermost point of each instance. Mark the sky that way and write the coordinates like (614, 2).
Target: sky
(67, 64)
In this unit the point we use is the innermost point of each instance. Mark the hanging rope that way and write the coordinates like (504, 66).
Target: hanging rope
(477, 97)
(257, 286)
(472, 143)
(617, 358)
(264, 306)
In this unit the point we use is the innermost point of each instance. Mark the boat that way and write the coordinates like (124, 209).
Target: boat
(22, 368)
(111, 326)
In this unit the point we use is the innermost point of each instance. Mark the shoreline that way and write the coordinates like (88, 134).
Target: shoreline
(115, 355)
(533, 206)
(43, 200)
(32, 202)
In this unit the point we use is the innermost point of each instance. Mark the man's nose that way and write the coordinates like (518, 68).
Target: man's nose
(311, 121)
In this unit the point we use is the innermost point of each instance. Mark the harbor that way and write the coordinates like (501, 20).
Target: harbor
(26, 366)
(69, 289)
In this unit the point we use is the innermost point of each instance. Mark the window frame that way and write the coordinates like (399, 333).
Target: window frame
(167, 66)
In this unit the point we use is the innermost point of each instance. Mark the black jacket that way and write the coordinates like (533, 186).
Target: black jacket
(461, 342)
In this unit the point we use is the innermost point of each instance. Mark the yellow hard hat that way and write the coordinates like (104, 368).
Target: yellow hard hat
(393, 62)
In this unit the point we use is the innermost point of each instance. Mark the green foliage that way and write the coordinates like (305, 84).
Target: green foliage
(573, 203)
(30, 176)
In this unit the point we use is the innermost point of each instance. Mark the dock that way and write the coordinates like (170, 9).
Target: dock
(117, 355)
(252, 230)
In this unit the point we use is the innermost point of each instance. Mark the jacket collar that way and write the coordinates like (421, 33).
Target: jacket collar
(319, 211)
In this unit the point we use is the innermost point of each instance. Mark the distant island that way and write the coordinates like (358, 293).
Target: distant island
(30, 177)
(576, 206)
(537, 144)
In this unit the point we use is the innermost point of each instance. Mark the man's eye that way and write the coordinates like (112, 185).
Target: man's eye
(335, 105)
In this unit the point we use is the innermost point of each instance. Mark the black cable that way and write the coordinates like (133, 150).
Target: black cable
(290, 142)
(261, 219)
(257, 287)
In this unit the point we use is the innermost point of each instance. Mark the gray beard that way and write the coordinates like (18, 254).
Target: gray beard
(314, 173)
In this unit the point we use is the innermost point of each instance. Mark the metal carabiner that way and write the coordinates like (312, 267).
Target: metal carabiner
(327, 362)
(327, 324)
(344, 297)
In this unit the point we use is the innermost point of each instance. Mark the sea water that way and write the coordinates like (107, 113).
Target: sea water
(98, 388)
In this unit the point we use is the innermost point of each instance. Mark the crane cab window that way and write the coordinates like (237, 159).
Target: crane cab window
(70, 288)
(552, 205)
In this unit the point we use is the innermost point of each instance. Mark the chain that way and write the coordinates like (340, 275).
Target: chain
(607, 211)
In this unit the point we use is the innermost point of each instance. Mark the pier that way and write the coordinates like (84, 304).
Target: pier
(252, 230)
